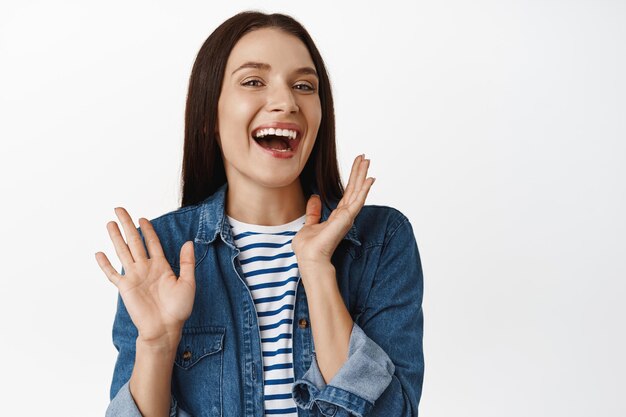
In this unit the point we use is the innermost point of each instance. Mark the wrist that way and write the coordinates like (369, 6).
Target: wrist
(315, 266)
(165, 344)
(317, 274)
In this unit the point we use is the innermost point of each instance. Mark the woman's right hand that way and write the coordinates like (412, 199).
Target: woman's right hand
(158, 302)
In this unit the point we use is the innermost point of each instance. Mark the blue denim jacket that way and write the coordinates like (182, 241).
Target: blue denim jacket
(218, 366)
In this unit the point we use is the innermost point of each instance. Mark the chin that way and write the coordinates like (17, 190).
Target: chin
(275, 181)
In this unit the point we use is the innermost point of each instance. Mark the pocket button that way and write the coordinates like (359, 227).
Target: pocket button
(186, 355)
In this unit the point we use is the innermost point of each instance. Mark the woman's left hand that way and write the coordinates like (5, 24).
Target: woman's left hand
(316, 242)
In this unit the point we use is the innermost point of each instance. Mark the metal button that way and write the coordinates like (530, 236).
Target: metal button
(303, 323)
(186, 355)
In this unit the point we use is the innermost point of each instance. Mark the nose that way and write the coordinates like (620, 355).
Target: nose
(282, 99)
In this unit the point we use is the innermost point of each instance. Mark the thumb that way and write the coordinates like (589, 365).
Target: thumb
(313, 210)
(187, 263)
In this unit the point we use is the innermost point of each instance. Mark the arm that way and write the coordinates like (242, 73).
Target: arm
(385, 364)
(153, 305)
(142, 375)
(331, 323)
(150, 382)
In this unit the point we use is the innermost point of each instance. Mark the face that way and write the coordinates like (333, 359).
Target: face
(269, 109)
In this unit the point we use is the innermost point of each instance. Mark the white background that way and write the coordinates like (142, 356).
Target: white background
(497, 127)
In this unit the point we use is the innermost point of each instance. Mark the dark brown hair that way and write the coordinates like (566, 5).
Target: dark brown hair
(203, 168)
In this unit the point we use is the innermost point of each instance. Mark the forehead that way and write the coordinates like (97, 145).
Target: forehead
(272, 46)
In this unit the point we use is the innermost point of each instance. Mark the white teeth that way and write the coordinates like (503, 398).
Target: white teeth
(291, 134)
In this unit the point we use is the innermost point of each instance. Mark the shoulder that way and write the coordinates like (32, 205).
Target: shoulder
(176, 227)
(178, 223)
(377, 224)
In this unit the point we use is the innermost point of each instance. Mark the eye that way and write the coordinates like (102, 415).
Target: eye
(305, 87)
(254, 80)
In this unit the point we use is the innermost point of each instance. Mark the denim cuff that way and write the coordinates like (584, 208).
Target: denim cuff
(357, 385)
(123, 405)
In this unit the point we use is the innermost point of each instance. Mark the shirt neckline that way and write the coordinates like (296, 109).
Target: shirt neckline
(249, 227)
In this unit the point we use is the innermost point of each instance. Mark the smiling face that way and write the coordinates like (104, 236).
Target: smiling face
(269, 95)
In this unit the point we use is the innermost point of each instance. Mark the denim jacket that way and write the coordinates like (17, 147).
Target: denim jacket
(218, 365)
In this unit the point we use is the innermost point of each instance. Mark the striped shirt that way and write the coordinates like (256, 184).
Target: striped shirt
(271, 273)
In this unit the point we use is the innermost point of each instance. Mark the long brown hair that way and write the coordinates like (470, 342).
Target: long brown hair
(203, 168)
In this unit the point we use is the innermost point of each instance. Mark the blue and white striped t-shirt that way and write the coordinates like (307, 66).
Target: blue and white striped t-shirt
(271, 272)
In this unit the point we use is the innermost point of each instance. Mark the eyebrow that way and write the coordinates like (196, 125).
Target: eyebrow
(267, 67)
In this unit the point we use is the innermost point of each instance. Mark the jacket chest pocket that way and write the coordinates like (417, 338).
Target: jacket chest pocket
(197, 375)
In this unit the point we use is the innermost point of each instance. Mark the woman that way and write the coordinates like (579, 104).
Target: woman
(288, 295)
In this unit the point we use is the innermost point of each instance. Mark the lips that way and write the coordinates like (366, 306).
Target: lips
(287, 154)
(278, 125)
(292, 143)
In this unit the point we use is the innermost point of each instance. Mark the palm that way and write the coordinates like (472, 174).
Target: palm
(154, 297)
(157, 301)
(316, 242)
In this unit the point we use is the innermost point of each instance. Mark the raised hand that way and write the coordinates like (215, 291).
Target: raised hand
(315, 243)
(157, 301)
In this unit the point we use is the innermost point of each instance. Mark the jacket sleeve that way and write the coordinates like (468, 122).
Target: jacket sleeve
(124, 338)
(384, 372)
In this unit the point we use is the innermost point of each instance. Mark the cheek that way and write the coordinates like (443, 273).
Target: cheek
(315, 114)
(235, 113)
(315, 120)
(311, 109)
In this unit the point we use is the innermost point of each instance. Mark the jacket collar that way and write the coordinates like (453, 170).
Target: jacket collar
(213, 219)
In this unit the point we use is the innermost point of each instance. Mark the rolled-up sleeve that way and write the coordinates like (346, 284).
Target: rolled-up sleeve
(123, 405)
(384, 372)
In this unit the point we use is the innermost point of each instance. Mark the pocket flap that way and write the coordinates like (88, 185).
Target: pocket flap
(198, 342)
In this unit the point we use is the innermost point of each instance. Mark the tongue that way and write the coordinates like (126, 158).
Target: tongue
(273, 142)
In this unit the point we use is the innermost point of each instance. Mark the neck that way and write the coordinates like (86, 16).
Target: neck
(255, 204)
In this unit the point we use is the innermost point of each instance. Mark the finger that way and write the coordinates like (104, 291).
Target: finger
(121, 248)
(132, 235)
(107, 268)
(313, 210)
(361, 196)
(340, 221)
(360, 179)
(152, 239)
(187, 264)
(350, 187)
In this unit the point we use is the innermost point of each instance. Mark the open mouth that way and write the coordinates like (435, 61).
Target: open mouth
(278, 140)
(275, 143)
